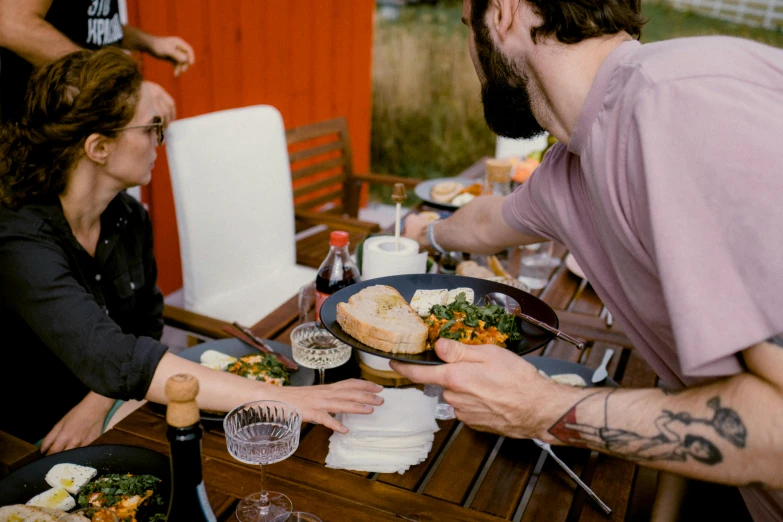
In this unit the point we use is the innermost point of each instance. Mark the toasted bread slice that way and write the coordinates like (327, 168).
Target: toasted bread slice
(380, 317)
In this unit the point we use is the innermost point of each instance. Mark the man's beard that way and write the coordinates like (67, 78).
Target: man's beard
(504, 94)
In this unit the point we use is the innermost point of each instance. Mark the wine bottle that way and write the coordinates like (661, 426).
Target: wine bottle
(188, 501)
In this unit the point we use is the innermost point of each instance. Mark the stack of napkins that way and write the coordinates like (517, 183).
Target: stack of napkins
(396, 436)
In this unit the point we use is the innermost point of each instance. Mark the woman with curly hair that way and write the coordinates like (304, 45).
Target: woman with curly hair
(79, 306)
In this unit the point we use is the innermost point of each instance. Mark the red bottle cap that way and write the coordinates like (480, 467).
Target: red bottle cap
(338, 238)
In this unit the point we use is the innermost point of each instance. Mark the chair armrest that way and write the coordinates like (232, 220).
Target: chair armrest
(384, 179)
(194, 323)
(342, 222)
(15, 453)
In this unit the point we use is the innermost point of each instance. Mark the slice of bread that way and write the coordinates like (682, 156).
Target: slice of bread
(380, 317)
(444, 191)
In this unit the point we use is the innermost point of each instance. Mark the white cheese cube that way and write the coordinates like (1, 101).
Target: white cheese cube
(423, 300)
(55, 498)
(469, 296)
(216, 360)
(70, 477)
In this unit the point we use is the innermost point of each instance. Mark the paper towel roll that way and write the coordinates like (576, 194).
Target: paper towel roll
(382, 257)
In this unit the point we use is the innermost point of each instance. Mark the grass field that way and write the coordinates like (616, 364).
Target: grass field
(427, 117)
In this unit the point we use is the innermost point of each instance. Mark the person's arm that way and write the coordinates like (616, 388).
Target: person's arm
(24, 30)
(729, 430)
(80, 426)
(39, 287)
(222, 391)
(478, 227)
(171, 48)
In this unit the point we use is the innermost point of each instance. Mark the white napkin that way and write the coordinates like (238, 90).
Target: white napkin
(396, 436)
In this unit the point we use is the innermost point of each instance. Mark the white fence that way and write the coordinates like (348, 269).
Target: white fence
(763, 13)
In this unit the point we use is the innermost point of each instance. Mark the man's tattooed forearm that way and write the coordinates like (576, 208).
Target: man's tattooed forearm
(679, 434)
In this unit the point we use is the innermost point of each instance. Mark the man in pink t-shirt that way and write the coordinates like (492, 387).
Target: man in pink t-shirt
(665, 185)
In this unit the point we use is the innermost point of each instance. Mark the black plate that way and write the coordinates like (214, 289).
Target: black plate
(423, 190)
(532, 336)
(236, 348)
(552, 367)
(28, 481)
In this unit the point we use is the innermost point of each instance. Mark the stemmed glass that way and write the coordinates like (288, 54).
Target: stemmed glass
(262, 432)
(314, 347)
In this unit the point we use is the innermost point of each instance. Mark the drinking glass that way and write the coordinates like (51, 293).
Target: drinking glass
(444, 410)
(536, 264)
(298, 516)
(262, 432)
(314, 347)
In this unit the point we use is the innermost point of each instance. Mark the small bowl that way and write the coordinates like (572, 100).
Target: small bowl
(375, 362)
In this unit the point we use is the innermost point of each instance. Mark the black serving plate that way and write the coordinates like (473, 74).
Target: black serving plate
(533, 337)
(28, 481)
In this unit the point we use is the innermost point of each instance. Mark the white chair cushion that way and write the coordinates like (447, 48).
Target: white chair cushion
(250, 303)
(233, 198)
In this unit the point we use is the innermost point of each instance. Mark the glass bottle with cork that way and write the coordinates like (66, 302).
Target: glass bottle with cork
(336, 272)
(498, 177)
(188, 501)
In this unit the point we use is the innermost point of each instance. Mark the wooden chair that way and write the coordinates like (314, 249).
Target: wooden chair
(15, 453)
(325, 185)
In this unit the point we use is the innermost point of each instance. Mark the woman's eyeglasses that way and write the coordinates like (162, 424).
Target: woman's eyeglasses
(157, 123)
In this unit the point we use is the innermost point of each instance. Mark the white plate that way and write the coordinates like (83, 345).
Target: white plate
(571, 264)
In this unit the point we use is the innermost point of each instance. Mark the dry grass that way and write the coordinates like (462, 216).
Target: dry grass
(427, 115)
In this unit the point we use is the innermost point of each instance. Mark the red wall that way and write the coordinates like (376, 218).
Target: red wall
(309, 58)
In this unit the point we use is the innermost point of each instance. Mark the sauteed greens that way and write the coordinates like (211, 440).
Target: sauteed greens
(472, 324)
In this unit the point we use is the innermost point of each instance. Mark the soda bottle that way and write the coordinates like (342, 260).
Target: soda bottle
(188, 501)
(336, 272)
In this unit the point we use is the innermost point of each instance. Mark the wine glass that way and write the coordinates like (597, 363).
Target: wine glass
(307, 303)
(314, 347)
(262, 432)
(298, 516)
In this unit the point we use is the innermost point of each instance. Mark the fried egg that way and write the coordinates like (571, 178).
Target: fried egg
(56, 498)
(70, 477)
(216, 360)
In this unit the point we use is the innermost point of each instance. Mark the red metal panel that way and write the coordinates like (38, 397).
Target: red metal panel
(310, 59)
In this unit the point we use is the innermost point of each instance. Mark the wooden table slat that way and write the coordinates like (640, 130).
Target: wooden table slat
(507, 478)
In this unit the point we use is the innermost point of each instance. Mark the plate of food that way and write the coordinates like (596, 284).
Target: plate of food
(400, 317)
(57, 485)
(234, 356)
(448, 193)
(566, 372)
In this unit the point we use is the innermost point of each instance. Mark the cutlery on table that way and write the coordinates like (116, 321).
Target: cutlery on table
(512, 306)
(546, 447)
(600, 373)
(247, 337)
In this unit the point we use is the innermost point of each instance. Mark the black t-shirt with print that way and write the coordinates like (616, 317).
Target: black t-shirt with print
(88, 23)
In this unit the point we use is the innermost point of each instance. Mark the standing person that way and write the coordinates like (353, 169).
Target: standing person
(665, 185)
(80, 310)
(33, 32)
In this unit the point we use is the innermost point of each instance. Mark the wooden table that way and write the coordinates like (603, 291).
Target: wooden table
(468, 476)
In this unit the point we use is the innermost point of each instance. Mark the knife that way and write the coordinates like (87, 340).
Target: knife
(256, 342)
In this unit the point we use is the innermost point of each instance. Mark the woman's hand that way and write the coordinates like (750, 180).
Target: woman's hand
(316, 402)
(80, 426)
(175, 50)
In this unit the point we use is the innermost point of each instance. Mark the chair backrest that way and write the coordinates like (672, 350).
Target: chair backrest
(232, 194)
(505, 147)
(322, 167)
